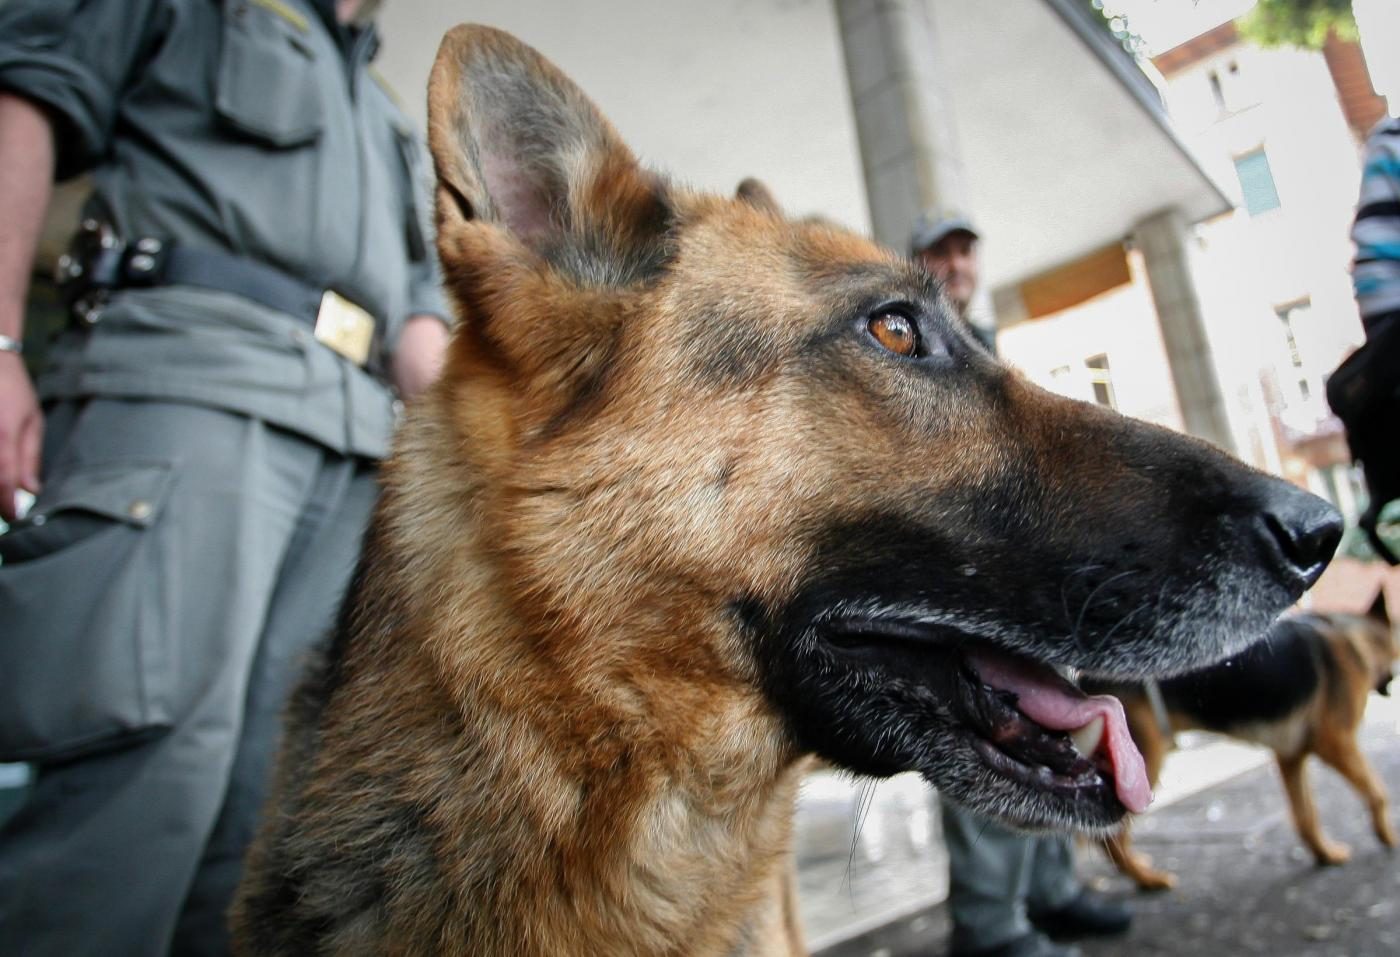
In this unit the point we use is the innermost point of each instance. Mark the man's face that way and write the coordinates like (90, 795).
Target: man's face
(953, 259)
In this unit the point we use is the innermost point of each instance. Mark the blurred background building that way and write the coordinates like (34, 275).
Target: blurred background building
(1279, 130)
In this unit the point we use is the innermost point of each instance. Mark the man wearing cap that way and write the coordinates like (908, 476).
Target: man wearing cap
(253, 287)
(1007, 890)
(947, 246)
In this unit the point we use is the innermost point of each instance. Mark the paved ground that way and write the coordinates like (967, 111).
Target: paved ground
(1247, 886)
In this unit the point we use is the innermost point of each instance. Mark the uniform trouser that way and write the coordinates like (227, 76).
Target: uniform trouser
(135, 849)
(995, 873)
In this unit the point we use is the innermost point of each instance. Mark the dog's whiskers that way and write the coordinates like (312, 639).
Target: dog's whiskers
(1089, 601)
(864, 802)
(1064, 598)
(1123, 621)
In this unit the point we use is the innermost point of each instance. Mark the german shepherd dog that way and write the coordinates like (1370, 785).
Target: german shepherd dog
(1300, 691)
(704, 491)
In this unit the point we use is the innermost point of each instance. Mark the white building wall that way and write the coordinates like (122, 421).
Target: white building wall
(708, 92)
(1284, 102)
(1246, 267)
(1379, 23)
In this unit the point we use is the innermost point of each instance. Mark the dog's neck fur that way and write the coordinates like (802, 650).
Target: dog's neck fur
(593, 787)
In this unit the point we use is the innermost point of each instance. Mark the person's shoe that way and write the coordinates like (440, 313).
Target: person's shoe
(1033, 944)
(1088, 914)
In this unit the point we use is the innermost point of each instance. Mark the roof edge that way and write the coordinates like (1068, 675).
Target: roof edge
(1124, 68)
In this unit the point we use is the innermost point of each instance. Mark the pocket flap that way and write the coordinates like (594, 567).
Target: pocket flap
(124, 491)
(266, 85)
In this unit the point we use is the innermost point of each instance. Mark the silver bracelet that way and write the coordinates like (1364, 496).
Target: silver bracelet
(10, 345)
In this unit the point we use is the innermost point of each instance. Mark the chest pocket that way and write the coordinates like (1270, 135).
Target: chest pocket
(266, 86)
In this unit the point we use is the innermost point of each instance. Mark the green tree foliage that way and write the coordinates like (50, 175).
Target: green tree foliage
(1299, 23)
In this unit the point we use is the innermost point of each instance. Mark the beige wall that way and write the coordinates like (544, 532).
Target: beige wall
(710, 92)
(1120, 323)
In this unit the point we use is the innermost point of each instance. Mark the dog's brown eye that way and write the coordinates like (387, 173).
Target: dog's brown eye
(895, 332)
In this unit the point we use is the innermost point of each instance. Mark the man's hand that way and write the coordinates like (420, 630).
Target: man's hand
(419, 355)
(26, 182)
(21, 434)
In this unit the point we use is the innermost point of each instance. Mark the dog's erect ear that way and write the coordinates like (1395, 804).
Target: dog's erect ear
(757, 195)
(516, 143)
(545, 222)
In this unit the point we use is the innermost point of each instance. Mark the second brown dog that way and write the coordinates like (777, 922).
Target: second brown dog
(1300, 692)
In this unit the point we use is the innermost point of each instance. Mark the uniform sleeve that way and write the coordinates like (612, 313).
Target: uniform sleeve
(425, 295)
(75, 58)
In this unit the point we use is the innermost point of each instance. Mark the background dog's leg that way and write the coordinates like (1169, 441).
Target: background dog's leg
(1137, 867)
(1341, 752)
(1305, 813)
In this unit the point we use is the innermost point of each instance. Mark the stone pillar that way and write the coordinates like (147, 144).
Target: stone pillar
(908, 144)
(1162, 238)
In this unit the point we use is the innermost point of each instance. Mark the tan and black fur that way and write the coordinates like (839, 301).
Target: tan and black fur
(1300, 692)
(681, 512)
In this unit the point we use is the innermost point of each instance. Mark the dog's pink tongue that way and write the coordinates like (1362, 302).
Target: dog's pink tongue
(1050, 701)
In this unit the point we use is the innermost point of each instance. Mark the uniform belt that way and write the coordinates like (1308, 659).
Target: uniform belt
(248, 278)
(338, 322)
(101, 264)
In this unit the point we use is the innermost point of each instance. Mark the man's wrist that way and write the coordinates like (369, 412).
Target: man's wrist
(11, 344)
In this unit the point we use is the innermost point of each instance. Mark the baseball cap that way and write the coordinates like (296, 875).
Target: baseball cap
(931, 227)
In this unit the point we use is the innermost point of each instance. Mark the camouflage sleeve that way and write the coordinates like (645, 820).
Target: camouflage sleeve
(75, 58)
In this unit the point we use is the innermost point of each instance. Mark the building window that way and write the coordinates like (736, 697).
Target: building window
(1291, 316)
(1101, 380)
(1231, 90)
(1217, 92)
(1291, 338)
(1256, 182)
(1294, 317)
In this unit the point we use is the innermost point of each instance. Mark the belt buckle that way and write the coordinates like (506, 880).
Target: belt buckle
(344, 327)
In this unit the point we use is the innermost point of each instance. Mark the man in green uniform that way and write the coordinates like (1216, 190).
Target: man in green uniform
(258, 280)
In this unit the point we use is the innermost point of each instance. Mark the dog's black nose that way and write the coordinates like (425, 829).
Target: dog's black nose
(1299, 531)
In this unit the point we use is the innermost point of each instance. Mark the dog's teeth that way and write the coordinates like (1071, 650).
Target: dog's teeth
(1086, 739)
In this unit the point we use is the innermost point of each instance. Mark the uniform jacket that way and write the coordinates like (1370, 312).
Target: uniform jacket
(254, 127)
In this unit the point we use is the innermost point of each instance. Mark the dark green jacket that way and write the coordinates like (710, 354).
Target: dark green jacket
(249, 126)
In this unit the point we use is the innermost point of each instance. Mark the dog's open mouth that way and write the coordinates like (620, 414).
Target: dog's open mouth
(1024, 720)
(1033, 725)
